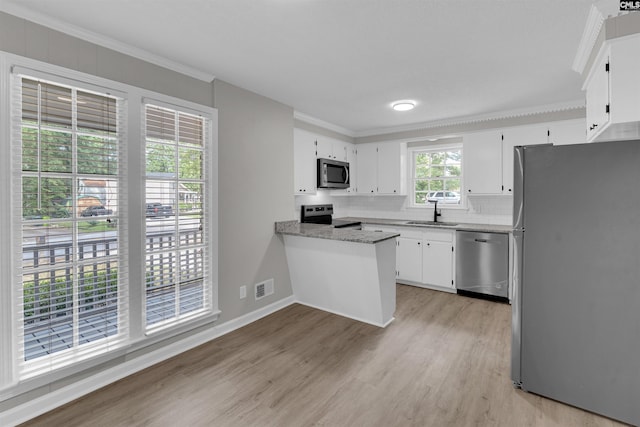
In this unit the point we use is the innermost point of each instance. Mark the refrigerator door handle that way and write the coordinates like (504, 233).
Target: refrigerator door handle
(518, 187)
(516, 308)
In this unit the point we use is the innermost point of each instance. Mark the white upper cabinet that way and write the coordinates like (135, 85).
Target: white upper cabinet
(613, 91)
(352, 159)
(367, 170)
(392, 160)
(482, 154)
(307, 148)
(381, 168)
(598, 96)
(324, 148)
(568, 132)
(304, 162)
(512, 137)
(329, 148)
(488, 155)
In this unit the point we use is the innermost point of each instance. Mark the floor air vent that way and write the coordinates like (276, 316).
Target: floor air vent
(264, 289)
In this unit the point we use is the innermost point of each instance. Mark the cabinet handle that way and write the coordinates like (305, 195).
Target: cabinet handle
(418, 243)
(469, 190)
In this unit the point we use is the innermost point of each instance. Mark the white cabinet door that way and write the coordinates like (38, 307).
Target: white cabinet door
(367, 168)
(483, 162)
(340, 150)
(390, 160)
(329, 148)
(598, 96)
(512, 137)
(613, 91)
(409, 259)
(568, 132)
(624, 81)
(324, 148)
(304, 162)
(437, 263)
(352, 159)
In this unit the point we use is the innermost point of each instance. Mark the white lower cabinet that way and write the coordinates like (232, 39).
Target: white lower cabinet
(409, 259)
(424, 257)
(438, 259)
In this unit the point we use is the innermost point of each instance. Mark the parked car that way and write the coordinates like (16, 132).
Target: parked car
(447, 197)
(96, 211)
(158, 209)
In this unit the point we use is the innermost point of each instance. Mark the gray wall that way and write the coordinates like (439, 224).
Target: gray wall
(31, 40)
(255, 155)
(255, 189)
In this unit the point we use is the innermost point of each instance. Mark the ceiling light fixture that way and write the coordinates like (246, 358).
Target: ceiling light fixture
(403, 105)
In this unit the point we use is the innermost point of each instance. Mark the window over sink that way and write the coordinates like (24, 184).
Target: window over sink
(436, 175)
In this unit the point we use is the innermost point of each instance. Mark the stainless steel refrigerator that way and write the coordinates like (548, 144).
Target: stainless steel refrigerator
(576, 276)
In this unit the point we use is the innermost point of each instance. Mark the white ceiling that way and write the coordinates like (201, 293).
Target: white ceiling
(345, 61)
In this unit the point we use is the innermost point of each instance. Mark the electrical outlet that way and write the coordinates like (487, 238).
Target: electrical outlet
(243, 292)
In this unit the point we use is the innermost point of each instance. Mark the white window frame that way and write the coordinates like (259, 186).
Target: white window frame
(11, 383)
(78, 352)
(207, 213)
(413, 151)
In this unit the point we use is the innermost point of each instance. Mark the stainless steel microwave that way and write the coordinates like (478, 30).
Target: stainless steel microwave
(333, 174)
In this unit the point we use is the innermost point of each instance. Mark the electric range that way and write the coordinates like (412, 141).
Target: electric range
(323, 214)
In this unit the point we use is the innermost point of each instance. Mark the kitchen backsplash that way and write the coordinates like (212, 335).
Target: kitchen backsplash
(480, 209)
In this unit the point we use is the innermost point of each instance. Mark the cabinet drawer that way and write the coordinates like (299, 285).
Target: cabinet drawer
(438, 235)
(411, 233)
(373, 227)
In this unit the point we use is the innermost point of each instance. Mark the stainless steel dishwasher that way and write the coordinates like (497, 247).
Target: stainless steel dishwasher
(482, 263)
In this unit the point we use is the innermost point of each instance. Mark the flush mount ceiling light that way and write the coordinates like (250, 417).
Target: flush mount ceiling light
(403, 105)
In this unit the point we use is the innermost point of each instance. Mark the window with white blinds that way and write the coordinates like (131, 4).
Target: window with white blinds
(68, 156)
(176, 214)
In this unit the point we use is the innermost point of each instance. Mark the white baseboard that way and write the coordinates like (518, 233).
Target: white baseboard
(378, 324)
(54, 399)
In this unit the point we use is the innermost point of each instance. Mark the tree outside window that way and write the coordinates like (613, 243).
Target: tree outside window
(437, 175)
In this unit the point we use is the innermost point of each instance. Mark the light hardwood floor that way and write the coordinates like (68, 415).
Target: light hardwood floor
(444, 361)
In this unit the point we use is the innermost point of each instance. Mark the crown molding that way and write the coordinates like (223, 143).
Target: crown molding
(321, 123)
(110, 43)
(456, 121)
(592, 28)
(600, 11)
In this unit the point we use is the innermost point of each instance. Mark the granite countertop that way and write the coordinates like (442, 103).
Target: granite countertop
(322, 231)
(488, 228)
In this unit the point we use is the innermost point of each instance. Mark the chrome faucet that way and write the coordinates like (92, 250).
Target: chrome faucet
(436, 214)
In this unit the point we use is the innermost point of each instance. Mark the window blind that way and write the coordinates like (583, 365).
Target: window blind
(70, 288)
(176, 246)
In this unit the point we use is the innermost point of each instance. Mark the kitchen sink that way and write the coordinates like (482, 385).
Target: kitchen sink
(450, 224)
